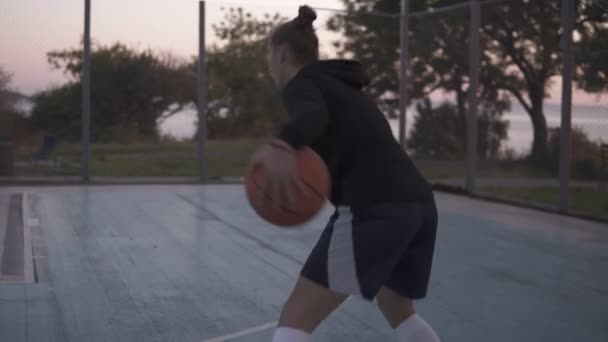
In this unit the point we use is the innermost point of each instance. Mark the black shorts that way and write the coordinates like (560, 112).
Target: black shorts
(363, 249)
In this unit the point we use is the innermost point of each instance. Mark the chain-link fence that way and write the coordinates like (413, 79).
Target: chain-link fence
(28, 80)
(146, 82)
(523, 43)
(518, 98)
(438, 81)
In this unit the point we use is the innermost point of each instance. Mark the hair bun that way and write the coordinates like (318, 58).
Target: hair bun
(306, 16)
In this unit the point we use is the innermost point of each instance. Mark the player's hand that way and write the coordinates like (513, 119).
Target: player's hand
(279, 162)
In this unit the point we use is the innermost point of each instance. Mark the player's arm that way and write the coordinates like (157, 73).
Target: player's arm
(307, 121)
(307, 113)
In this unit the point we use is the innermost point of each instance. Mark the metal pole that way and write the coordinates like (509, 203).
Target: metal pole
(202, 95)
(471, 133)
(86, 92)
(567, 60)
(404, 56)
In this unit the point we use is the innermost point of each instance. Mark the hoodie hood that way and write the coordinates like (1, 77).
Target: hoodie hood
(347, 71)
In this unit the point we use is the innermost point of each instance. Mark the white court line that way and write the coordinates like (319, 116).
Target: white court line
(250, 330)
(28, 262)
(244, 332)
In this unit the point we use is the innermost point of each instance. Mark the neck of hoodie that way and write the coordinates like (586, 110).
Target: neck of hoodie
(348, 71)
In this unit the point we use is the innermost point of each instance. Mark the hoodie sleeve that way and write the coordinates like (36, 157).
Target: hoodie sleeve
(307, 113)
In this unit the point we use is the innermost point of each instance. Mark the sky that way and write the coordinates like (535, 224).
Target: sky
(31, 28)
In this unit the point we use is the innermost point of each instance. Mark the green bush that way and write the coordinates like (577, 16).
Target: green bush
(440, 132)
(586, 163)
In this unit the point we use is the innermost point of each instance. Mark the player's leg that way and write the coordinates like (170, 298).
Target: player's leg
(395, 308)
(409, 281)
(307, 306)
(312, 298)
(399, 312)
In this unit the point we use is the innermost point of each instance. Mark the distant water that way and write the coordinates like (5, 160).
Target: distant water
(592, 118)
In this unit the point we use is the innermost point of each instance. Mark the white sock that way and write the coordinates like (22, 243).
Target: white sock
(285, 334)
(416, 329)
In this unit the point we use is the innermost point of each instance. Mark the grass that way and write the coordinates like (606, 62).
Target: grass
(583, 200)
(229, 159)
(455, 169)
(224, 158)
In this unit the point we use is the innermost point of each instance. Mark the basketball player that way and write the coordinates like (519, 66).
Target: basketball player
(379, 243)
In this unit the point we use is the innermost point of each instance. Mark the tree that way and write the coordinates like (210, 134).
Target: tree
(243, 99)
(57, 111)
(5, 80)
(526, 37)
(438, 62)
(130, 92)
(592, 61)
(439, 133)
(8, 113)
(586, 156)
(436, 132)
(374, 41)
(520, 43)
(133, 91)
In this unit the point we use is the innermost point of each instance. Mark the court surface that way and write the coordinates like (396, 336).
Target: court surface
(194, 263)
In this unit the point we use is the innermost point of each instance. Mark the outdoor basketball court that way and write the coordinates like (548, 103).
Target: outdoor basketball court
(194, 263)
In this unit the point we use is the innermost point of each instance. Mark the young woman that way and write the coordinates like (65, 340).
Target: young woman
(379, 243)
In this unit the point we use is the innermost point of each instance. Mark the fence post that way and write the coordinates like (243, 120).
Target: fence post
(86, 92)
(471, 132)
(202, 95)
(567, 60)
(404, 56)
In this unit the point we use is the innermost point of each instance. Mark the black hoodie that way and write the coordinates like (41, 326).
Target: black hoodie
(328, 111)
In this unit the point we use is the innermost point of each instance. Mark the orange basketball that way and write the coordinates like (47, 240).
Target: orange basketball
(315, 177)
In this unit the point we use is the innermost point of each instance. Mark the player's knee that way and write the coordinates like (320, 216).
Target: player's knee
(395, 307)
(297, 318)
(308, 305)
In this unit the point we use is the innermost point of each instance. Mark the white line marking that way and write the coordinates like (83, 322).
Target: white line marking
(28, 269)
(244, 332)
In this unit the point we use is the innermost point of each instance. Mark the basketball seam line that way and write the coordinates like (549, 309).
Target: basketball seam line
(287, 210)
(280, 205)
(313, 189)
